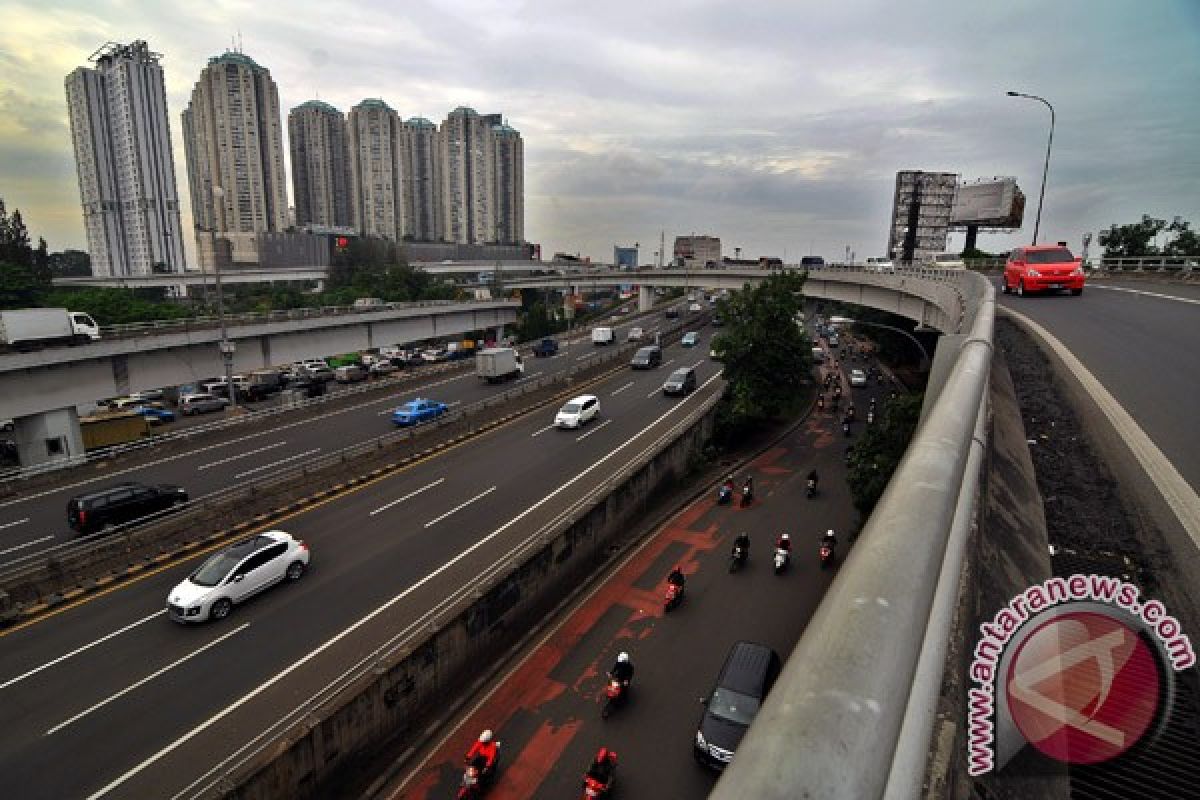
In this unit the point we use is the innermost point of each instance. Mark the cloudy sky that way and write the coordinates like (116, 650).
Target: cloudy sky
(778, 126)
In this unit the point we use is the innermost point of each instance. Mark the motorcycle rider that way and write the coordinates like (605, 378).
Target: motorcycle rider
(820, 402)
(829, 539)
(784, 542)
(748, 488)
(622, 670)
(482, 754)
(742, 541)
(601, 770)
(676, 577)
(813, 478)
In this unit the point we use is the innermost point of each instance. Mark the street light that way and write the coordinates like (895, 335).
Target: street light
(227, 347)
(848, 320)
(1046, 167)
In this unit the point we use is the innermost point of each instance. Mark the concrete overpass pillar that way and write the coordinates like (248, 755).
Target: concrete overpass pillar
(47, 437)
(645, 298)
(498, 335)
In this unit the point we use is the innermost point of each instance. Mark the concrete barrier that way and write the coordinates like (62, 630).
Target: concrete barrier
(391, 703)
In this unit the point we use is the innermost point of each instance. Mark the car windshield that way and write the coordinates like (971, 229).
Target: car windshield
(214, 570)
(1058, 255)
(733, 706)
(571, 408)
(679, 376)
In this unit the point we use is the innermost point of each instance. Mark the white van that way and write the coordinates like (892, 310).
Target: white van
(577, 411)
(602, 336)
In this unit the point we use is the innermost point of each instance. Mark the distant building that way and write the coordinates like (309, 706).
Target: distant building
(234, 142)
(625, 257)
(509, 192)
(320, 165)
(124, 162)
(697, 252)
(374, 139)
(469, 177)
(421, 176)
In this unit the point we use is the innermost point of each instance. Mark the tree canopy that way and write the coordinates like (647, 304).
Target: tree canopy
(767, 356)
(1140, 238)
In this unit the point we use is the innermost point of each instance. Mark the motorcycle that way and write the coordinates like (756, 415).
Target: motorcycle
(782, 559)
(616, 693)
(738, 558)
(724, 494)
(870, 417)
(595, 790)
(812, 488)
(821, 403)
(846, 428)
(674, 596)
(826, 554)
(747, 495)
(476, 780)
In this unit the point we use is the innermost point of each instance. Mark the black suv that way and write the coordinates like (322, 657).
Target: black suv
(647, 357)
(116, 505)
(749, 672)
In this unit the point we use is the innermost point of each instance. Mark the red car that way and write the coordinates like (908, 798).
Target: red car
(1040, 268)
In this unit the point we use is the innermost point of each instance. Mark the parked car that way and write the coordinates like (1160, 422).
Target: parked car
(149, 395)
(236, 574)
(545, 348)
(349, 373)
(120, 504)
(647, 357)
(577, 411)
(201, 403)
(690, 339)
(858, 377)
(1039, 268)
(746, 678)
(417, 411)
(381, 368)
(681, 381)
(155, 412)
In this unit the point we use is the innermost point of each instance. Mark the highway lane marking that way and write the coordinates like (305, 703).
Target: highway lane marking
(27, 544)
(668, 362)
(698, 363)
(1179, 495)
(14, 524)
(146, 680)
(1147, 294)
(654, 393)
(407, 496)
(203, 467)
(277, 463)
(459, 507)
(149, 573)
(527, 377)
(593, 430)
(206, 448)
(79, 650)
(623, 388)
(542, 430)
(586, 355)
(183, 739)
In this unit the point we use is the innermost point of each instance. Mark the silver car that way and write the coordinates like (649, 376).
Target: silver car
(237, 573)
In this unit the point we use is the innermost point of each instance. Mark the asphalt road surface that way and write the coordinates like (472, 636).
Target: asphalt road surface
(108, 698)
(547, 710)
(1142, 341)
(31, 524)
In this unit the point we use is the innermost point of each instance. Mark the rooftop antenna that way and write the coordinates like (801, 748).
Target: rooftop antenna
(239, 40)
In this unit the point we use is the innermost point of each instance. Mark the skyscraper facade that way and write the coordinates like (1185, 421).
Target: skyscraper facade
(234, 143)
(468, 175)
(123, 158)
(509, 193)
(320, 165)
(421, 173)
(375, 163)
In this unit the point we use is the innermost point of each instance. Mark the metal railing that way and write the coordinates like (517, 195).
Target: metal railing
(1183, 264)
(832, 726)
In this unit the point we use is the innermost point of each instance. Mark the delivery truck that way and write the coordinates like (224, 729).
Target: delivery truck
(31, 328)
(496, 364)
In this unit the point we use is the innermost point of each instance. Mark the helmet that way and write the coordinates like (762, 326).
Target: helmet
(785, 537)
(623, 658)
(829, 532)
(485, 737)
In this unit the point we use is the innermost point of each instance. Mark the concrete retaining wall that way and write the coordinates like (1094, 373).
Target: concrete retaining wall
(391, 705)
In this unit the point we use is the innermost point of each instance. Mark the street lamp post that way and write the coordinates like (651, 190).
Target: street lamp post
(1045, 167)
(848, 320)
(227, 347)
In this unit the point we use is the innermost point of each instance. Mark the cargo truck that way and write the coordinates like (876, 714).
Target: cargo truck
(497, 364)
(30, 328)
(118, 427)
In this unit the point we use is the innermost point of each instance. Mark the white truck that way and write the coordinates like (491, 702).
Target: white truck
(30, 328)
(496, 364)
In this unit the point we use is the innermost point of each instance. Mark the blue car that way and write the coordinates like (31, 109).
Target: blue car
(414, 412)
(155, 413)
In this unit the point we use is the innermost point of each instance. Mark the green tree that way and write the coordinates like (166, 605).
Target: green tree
(1185, 241)
(1131, 241)
(70, 263)
(767, 357)
(877, 453)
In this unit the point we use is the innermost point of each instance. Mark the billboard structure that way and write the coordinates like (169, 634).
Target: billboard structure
(921, 212)
(995, 204)
(625, 257)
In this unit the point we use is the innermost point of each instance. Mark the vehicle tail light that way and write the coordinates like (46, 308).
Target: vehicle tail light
(303, 545)
(82, 517)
